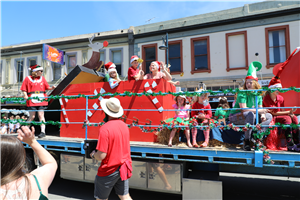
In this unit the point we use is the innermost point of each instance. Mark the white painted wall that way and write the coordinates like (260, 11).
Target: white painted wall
(255, 41)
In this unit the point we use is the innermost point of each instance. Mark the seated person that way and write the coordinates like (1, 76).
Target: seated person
(3, 129)
(280, 115)
(220, 114)
(134, 73)
(242, 117)
(158, 70)
(113, 79)
(108, 66)
(202, 116)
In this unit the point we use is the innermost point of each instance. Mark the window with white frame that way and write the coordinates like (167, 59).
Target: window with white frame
(277, 44)
(32, 62)
(102, 56)
(20, 70)
(56, 71)
(72, 62)
(277, 52)
(117, 60)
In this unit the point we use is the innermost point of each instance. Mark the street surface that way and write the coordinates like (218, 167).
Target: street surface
(235, 186)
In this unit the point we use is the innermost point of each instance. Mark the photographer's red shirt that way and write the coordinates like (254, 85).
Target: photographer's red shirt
(35, 87)
(114, 140)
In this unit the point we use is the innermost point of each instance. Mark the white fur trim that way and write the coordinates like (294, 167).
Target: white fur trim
(133, 59)
(111, 70)
(36, 69)
(112, 66)
(277, 85)
(35, 81)
(156, 65)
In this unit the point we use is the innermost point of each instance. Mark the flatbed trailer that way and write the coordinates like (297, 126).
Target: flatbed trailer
(181, 166)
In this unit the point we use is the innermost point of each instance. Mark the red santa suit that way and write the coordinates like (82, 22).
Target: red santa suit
(35, 87)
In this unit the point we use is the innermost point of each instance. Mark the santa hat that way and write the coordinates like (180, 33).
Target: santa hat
(157, 64)
(275, 81)
(112, 69)
(133, 58)
(254, 66)
(35, 68)
(109, 65)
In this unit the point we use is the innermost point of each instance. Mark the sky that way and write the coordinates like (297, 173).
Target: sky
(30, 21)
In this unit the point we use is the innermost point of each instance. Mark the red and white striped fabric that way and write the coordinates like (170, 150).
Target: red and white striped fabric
(64, 110)
(96, 105)
(149, 87)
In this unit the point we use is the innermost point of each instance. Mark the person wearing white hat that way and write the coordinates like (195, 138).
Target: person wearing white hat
(113, 150)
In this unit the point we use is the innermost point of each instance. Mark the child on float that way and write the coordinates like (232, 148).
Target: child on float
(202, 116)
(134, 73)
(113, 78)
(3, 129)
(17, 126)
(108, 66)
(220, 114)
(183, 113)
(11, 125)
(247, 102)
(273, 99)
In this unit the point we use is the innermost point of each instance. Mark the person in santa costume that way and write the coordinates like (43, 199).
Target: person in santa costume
(247, 101)
(36, 85)
(157, 71)
(113, 79)
(134, 73)
(109, 65)
(273, 99)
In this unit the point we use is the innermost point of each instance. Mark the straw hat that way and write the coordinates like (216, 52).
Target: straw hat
(112, 107)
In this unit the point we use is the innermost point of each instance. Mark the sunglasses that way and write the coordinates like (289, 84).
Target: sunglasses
(40, 71)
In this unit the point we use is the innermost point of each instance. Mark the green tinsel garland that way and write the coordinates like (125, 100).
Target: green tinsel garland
(130, 94)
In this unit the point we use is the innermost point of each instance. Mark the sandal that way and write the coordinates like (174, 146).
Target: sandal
(204, 144)
(195, 145)
(169, 145)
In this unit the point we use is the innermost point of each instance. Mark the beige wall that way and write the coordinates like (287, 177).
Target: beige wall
(255, 41)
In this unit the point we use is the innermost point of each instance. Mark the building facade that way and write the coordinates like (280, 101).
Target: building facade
(214, 48)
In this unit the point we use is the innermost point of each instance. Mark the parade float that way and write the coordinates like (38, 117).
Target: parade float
(147, 103)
